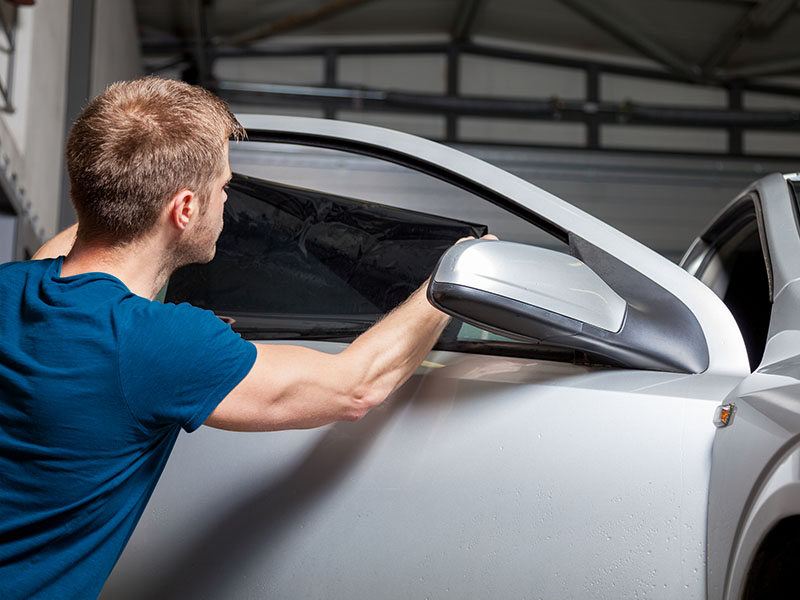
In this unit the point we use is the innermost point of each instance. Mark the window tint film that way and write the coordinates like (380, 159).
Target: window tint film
(378, 181)
(292, 260)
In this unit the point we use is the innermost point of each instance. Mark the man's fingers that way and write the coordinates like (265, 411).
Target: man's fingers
(488, 236)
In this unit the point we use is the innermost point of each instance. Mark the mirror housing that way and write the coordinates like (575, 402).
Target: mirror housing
(539, 295)
(522, 291)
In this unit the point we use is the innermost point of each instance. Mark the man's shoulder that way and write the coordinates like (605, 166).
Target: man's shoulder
(183, 321)
(165, 310)
(25, 266)
(15, 277)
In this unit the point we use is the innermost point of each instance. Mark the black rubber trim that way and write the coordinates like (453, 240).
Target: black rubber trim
(721, 231)
(794, 189)
(747, 210)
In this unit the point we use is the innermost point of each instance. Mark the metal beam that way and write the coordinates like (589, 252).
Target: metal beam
(81, 36)
(425, 48)
(331, 78)
(464, 20)
(776, 67)
(290, 23)
(630, 34)
(152, 69)
(6, 88)
(201, 58)
(735, 134)
(453, 89)
(593, 96)
(439, 48)
(761, 19)
(533, 108)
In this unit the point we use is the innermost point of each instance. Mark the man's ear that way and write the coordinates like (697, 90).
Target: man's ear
(182, 208)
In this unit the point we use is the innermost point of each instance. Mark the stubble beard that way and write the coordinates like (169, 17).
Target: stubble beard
(201, 248)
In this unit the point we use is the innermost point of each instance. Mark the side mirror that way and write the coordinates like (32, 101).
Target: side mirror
(539, 295)
(525, 292)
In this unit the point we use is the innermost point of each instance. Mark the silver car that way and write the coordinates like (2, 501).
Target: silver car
(597, 422)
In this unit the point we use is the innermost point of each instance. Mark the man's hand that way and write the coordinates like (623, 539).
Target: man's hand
(488, 236)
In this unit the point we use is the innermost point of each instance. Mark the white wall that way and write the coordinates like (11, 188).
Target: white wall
(43, 154)
(32, 138)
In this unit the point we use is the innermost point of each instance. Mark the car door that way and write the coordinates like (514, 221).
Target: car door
(749, 257)
(502, 468)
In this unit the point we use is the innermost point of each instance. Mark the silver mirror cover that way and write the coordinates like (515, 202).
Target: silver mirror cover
(558, 289)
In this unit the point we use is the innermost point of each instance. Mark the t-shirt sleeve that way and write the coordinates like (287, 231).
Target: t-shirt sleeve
(177, 362)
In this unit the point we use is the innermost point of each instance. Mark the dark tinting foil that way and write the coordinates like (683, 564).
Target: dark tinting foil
(318, 261)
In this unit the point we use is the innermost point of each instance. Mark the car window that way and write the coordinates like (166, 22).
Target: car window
(345, 174)
(297, 260)
(319, 243)
(735, 267)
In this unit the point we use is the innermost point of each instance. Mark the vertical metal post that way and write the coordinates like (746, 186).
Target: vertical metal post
(735, 134)
(8, 236)
(6, 88)
(593, 97)
(200, 38)
(12, 43)
(79, 81)
(331, 78)
(453, 56)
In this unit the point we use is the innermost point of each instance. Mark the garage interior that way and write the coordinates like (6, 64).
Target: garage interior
(651, 115)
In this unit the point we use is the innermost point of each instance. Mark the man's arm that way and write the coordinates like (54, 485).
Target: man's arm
(60, 245)
(291, 387)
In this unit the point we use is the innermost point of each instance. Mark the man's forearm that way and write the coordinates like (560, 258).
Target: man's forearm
(60, 245)
(395, 346)
(292, 387)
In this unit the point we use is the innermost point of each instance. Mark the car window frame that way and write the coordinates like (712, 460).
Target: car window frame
(746, 209)
(567, 223)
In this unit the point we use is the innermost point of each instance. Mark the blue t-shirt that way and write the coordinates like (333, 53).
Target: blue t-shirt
(95, 384)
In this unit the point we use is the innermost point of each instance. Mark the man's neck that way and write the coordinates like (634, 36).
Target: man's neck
(137, 264)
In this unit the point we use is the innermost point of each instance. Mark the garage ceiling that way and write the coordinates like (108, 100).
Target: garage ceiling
(699, 40)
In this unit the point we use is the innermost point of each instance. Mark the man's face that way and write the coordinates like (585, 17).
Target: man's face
(201, 245)
(214, 205)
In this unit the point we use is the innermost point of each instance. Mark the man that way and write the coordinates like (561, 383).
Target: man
(96, 379)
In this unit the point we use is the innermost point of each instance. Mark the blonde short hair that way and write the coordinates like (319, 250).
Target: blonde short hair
(137, 144)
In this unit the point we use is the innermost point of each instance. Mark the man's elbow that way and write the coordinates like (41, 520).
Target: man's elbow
(363, 400)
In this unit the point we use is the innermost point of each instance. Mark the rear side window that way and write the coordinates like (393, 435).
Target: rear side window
(735, 267)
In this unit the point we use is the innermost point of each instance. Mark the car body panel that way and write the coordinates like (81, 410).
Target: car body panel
(481, 476)
(755, 478)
